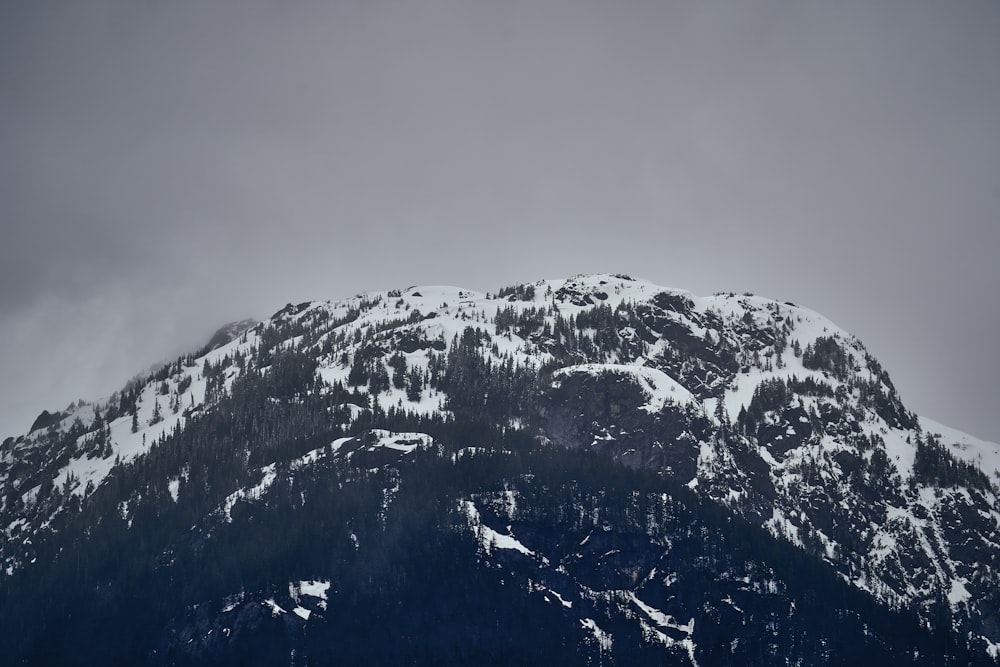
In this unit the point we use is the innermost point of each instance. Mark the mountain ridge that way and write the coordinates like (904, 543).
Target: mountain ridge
(765, 408)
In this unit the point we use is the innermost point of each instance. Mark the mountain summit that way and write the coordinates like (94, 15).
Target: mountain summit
(590, 470)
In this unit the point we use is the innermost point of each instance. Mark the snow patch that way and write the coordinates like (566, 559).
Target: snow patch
(400, 441)
(316, 589)
(958, 594)
(965, 447)
(604, 639)
(661, 619)
(489, 538)
(275, 609)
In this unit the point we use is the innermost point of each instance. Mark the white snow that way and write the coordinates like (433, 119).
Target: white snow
(275, 609)
(126, 445)
(900, 452)
(316, 589)
(231, 602)
(604, 639)
(780, 526)
(401, 441)
(313, 589)
(491, 538)
(405, 442)
(562, 601)
(968, 448)
(658, 617)
(488, 537)
(958, 593)
(339, 442)
(268, 476)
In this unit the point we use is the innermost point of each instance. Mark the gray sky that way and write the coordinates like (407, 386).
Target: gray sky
(168, 166)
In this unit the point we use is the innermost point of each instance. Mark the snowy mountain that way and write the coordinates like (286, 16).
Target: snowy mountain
(595, 469)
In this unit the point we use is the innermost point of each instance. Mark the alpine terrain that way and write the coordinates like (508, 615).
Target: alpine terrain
(587, 471)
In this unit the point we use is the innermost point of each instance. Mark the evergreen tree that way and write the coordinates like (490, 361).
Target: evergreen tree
(414, 384)
(397, 362)
(157, 416)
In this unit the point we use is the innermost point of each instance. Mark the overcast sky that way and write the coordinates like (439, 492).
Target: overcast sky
(168, 166)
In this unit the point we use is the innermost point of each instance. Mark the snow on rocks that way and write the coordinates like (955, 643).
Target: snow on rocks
(489, 538)
(315, 590)
(402, 441)
(982, 453)
(604, 639)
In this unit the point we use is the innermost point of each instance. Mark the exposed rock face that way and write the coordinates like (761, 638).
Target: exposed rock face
(607, 411)
(44, 420)
(228, 332)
